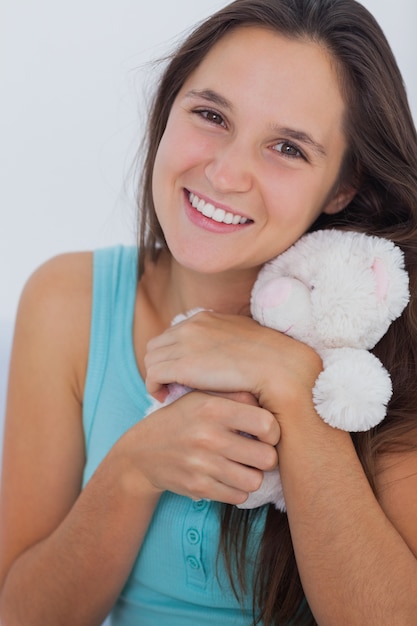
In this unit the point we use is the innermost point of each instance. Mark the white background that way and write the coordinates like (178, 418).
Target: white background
(73, 83)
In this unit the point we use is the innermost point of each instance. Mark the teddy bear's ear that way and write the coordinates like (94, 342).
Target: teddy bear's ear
(339, 201)
(391, 278)
(381, 279)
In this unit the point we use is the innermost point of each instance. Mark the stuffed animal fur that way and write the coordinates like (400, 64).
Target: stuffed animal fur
(338, 292)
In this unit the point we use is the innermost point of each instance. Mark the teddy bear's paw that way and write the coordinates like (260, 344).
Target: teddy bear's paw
(184, 316)
(270, 492)
(353, 390)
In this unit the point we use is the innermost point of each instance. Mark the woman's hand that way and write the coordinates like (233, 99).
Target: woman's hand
(193, 447)
(228, 353)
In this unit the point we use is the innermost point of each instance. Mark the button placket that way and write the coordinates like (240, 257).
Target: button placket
(193, 543)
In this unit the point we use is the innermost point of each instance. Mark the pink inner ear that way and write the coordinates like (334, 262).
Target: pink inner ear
(381, 278)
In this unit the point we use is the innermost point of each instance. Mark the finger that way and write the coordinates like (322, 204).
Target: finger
(245, 397)
(237, 417)
(250, 452)
(230, 486)
(214, 430)
(228, 419)
(161, 393)
(158, 377)
(224, 481)
(174, 333)
(164, 339)
(219, 492)
(255, 421)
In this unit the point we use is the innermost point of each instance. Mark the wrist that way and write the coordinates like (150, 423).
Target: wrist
(129, 479)
(286, 376)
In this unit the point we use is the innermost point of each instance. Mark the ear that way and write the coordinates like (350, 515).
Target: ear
(339, 201)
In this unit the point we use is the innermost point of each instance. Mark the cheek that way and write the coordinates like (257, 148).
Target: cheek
(181, 148)
(164, 158)
(282, 191)
(294, 200)
(157, 177)
(167, 167)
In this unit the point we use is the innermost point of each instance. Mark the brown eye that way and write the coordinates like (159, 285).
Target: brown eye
(288, 149)
(212, 117)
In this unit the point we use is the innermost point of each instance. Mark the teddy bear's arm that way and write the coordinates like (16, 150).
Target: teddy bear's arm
(353, 390)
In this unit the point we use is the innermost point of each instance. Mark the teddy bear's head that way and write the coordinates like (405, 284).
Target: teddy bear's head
(333, 289)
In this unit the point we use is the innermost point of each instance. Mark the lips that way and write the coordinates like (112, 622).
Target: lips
(217, 214)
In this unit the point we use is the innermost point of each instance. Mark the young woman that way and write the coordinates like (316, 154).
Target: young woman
(273, 118)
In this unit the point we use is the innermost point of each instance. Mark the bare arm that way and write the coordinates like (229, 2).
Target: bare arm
(63, 556)
(357, 555)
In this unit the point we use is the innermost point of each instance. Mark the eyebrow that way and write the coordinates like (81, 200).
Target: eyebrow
(210, 96)
(296, 135)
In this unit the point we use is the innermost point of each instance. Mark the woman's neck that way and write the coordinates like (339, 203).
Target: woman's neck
(173, 289)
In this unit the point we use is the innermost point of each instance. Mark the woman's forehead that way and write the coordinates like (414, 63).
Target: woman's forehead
(276, 80)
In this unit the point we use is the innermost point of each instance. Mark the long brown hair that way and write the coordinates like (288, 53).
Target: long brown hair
(381, 162)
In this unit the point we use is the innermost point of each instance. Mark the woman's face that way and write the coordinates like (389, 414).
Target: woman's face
(251, 152)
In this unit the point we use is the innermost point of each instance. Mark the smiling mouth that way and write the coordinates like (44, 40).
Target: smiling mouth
(215, 213)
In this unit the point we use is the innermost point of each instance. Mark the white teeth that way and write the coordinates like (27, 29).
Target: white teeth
(216, 214)
(206, 209)
(219, 215)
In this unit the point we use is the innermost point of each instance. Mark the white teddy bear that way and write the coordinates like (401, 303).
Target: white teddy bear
(338, 292)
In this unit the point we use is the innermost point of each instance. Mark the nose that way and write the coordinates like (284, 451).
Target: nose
(230, 169)
(282, 303)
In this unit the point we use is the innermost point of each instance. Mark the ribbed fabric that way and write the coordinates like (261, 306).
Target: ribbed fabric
(177, 579)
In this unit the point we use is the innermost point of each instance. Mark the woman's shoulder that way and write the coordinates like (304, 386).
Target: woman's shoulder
(55, 310)
(59, 286)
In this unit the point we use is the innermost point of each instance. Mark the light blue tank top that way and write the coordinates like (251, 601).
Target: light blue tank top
(177, 579)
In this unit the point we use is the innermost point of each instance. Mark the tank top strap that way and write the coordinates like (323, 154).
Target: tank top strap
(113, 301)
